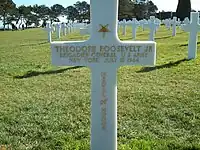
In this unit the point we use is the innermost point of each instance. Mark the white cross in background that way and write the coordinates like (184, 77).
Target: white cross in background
(193, 27)
(49, 29)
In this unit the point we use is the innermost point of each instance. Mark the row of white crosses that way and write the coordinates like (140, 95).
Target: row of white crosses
(135, 24)
(192, 26)
(167, 23)
(50, 28)
(104, 53)
(172, 23)
(142, 22)
(153, 24)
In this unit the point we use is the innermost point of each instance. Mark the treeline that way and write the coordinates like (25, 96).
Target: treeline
(79, 12)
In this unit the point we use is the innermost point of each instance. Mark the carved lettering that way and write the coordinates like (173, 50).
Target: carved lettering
(104, 53)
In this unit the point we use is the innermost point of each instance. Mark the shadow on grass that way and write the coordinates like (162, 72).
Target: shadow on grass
(183, 45)
(181, 32)
(168, 65)
(142, 34)
(37, 73)
(164, 37)
(34, 44)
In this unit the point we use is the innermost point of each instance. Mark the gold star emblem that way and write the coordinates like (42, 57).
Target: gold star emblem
(104, 29)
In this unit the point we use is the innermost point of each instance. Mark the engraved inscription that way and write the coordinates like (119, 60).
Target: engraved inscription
(104, 53)
(104, 100)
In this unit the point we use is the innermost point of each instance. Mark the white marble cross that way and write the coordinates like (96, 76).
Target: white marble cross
(49, 29)
(152, 25)
(53, 27)
(186, 20)
(174, 23)
(168, 24)
(193, 27)
(104, 53)
(64, 28)
(58, 28)
(124, 27)
(142, 23)
(158, 23)
(135, 25)
(69, 28)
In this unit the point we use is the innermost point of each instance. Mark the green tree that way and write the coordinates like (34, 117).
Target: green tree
(152, 8)
(126, 8)
(5, 7)
(83, 9)
(43, 12)
(72, 13)
(12, 15)
(25, 12)
(56, 11)
(183, 9)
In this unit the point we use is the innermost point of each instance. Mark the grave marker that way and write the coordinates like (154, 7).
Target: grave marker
(58, 28)
(135, 25)
(49, 29)
(158, 23)
(142, 23)
(174, 23)
(193, 27)
(152, 25)
(104, 53)
(124, 27)
(168, 24)
(53, 27)
(64, 28)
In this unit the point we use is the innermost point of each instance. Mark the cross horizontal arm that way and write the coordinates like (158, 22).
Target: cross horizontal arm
(89, 54)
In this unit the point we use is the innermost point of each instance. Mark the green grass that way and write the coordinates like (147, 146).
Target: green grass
(45, 107)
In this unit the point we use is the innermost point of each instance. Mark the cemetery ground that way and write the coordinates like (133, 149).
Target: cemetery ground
(46, 107)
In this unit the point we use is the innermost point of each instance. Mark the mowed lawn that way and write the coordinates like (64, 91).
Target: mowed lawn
(44, 107)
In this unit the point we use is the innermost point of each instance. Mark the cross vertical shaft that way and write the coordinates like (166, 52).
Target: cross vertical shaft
(104, 109)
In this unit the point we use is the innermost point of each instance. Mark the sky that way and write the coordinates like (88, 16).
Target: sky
(166, 5)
